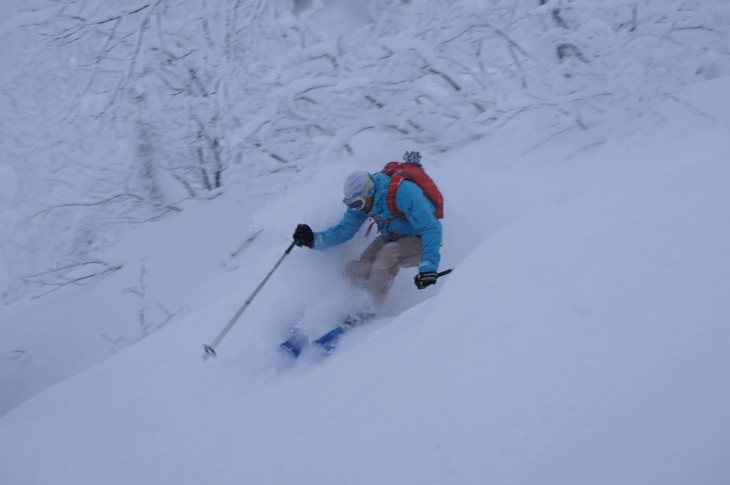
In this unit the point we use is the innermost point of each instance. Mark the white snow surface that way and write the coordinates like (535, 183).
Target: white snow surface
(582, 338)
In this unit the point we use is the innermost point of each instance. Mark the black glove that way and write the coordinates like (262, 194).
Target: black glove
(423, 280)
(303, 236)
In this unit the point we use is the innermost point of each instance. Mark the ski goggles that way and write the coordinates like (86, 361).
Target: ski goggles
(359, 201)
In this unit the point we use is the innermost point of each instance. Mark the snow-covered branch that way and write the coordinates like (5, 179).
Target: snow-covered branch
(136, 108)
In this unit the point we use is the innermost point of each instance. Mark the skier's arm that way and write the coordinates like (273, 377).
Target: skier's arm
(419, 212)
(343, 231)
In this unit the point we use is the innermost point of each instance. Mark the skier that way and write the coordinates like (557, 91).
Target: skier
(410, 239)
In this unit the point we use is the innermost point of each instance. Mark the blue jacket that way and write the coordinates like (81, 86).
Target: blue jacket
(412, 202)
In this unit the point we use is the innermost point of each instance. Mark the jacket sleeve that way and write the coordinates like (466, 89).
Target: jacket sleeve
(419, 211)
(351, 222)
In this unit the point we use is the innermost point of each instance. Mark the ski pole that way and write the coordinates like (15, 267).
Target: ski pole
(210, 349)
(444, 273)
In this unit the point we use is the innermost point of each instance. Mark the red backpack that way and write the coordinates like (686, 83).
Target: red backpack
(400, 171)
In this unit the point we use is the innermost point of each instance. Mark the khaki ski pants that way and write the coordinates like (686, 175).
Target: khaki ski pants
(380, 262)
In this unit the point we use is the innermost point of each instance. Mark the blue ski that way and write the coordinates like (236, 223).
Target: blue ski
(294, 344)
(327, 343)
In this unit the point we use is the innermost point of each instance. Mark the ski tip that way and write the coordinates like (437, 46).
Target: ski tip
(288, 348)
(327, 342)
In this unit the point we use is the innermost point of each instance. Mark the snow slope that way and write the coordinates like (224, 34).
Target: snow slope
(8, 182)
(8, 188)
(582, 338)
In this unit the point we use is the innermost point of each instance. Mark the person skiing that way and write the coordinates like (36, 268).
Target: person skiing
(410, 239)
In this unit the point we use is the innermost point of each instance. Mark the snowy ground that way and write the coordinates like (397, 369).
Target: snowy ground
(7, 175)
(582, 338)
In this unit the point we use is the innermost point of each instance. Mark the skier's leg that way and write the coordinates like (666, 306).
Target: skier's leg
(404, 252)
(409, 251)
(379, 265)
(358, 271)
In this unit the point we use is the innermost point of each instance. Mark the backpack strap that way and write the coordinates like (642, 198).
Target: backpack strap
(395, 180)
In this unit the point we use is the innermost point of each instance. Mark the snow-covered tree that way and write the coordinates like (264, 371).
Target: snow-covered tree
(121, 110)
